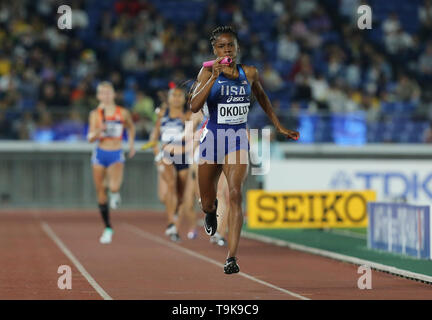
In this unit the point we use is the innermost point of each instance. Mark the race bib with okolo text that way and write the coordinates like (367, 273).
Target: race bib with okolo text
(232, 113)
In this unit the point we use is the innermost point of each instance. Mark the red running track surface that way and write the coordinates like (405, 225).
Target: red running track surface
(141, 263)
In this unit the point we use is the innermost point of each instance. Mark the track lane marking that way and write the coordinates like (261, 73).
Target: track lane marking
(47, 229)
(174, 246)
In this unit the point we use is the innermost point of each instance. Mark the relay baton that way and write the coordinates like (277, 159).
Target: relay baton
(148, 145)
(208, 64)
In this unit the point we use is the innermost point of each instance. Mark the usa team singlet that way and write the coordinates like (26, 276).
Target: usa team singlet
(227, 108)
(172, 132)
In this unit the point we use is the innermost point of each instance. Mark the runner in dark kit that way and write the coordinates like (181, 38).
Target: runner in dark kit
(224, 93)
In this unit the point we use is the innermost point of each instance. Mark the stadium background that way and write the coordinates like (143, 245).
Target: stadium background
(312, 57)
(358, 98)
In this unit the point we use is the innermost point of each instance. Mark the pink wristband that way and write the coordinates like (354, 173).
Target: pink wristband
(226, 60)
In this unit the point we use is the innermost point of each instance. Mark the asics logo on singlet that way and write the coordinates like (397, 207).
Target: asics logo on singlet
(235, 99)
(232, 90)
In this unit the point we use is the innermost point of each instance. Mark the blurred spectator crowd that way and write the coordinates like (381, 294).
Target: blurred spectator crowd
(314, 62)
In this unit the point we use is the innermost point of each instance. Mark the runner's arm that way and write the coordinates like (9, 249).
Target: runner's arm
(130, 127)
(266, 105)
(95, 130)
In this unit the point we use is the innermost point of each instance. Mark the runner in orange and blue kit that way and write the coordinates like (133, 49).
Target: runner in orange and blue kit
(106, 125)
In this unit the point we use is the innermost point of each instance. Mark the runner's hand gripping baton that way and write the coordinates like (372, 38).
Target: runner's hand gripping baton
(148, 145)
(209, 64)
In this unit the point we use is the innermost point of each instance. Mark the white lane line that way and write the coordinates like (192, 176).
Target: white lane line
(75, 261)
(174, 246)
(337, 256)
(347, 233)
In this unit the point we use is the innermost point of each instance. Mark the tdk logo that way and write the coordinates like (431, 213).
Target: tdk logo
(341, 180)
(388, 184)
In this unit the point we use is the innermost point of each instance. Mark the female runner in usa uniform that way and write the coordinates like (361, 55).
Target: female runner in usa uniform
(170, 127)
(106, 124)
(224, 145)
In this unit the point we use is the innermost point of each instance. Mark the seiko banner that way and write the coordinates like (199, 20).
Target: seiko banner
(314, 209)
(408, 180)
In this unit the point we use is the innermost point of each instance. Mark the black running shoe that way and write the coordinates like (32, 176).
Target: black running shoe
(231, 266)
(210, 221)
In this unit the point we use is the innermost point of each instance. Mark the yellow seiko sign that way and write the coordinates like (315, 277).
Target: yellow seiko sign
(304, 209)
